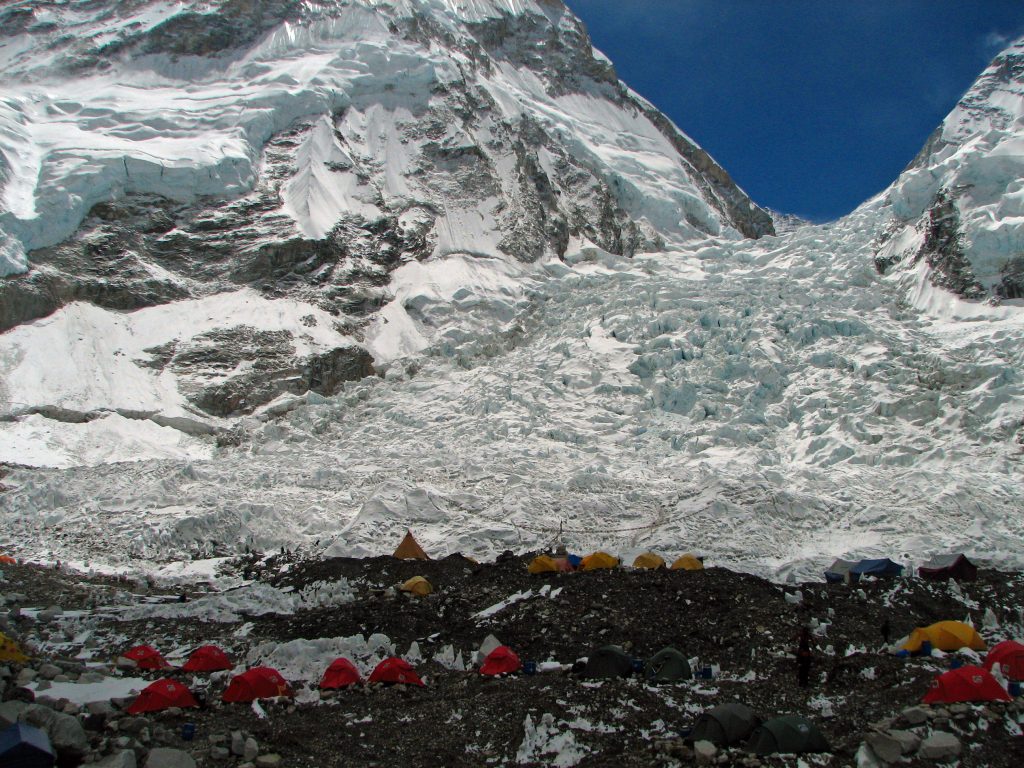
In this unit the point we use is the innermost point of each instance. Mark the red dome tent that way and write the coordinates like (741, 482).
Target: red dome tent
(163, 694)
(146, 657)
(967, 683)
(341, 674)
(501, 661)
(1009, 654)
(256, 683)
(395, 670)
(207, 658)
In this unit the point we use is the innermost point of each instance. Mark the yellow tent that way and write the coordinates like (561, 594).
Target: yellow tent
(9, 650)
(542, 564)
(409, 549)
(598, 561)
(648, 560)
(417, 585)
(946, 636)
(688, 562)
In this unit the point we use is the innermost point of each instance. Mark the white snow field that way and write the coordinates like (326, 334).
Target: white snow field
(770, 404)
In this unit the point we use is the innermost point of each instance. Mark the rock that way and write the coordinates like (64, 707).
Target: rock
(11, 711)
(123, 759)
(915, 715)
(99, 708)
(886, 748)
(26, 676)
(92, 677)
(237, 743)
(133, 724)
(268, 761)
(220, 753)
(49, 671)
(705, 752)
(959, 709)
(909, 741)
(250, 749)
(939, 746)
(65, 731)
(163, 757)
(125, 664)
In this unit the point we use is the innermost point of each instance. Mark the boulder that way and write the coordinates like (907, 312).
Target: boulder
(49, 671)
(915, 715)
(250, 749)
(886, 748)
(164, 757)
(220, 753)
(123, 759)
(705, 752)
(11, 711)
(909, 741)
(939, 746)
(268, 761)
(237, 743)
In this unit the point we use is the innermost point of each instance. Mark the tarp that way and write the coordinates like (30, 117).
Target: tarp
(839, 570)
(789, 734)
(942, 567)
(688, 562)
(256, 683)
(10, 651)
(878, 568)
(162, 694)
(1009, 655)
(598, 561)
(146, 657)
(395, 670)
(946, 636)
(207, 658)
(667, 666)
(417, 585)
(608, 661)
(25, 746)
(340, 674)
(409, 549)
(501, 661)
(649, 560)
(966, 683)
(725, 725)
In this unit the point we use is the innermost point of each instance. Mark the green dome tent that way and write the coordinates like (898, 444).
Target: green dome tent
(725, 725)
(787, 734)
(667, 666)
(608, 661)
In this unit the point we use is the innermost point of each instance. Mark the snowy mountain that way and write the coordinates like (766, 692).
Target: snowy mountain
(220, 218)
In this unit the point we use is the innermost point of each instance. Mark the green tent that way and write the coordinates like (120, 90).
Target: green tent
(725, 725)
(667, 666)
(787, 734)
(608, 661)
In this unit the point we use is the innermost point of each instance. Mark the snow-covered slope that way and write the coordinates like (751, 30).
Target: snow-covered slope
(569, 329)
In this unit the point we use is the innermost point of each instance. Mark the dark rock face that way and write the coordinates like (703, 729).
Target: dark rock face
(943, 249)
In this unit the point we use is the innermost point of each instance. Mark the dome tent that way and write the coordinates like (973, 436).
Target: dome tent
(256, 683)
(395, 670)
(609, 661)
(599, 561)
(418, 586)
(725, 725)
(501, 661)
(966, 683)
(688, 562)
(10, 651)
(340, 674)
(667, 666)
(146, 657)
(1009, 655)
(946, 636)
(943, 567)
(207, 658)
(789, 734)
(160, 695)
(877, 568)
(649, 560)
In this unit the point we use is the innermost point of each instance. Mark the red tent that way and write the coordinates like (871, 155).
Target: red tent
(256, 683)
(967, 683)
(1010, 655)
(207, 658)
(501, 661)
(162, 694)
(146, 657)
(340, 674)
(395, 670)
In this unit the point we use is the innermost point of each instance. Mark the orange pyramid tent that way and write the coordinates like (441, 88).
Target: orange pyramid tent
(409, 549)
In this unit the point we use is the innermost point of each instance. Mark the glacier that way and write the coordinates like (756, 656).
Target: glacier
(675, 378)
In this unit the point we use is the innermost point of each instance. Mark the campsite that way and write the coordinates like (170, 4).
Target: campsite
(607, 666)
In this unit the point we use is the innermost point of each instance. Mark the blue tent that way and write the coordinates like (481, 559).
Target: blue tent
(22, 746)
(877, 568)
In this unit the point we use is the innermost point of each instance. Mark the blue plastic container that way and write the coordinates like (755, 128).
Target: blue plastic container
(529, 667)
(1013, 688)
(188, 731)
(955, 662)
(926, 648)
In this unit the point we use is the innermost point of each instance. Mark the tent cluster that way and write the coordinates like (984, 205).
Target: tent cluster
(735, 725)
(602, 561)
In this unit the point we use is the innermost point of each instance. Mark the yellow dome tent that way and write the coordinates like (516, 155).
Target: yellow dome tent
(409, 549)
(542, 564)
(9, 650)
(417, 585)
(598, 561)
(648, 560)
(688, 562)
(946, 636)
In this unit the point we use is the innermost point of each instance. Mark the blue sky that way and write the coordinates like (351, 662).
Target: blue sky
(813, 106)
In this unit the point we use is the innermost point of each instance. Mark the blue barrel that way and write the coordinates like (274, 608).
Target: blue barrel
(188, 731)
(955, 662)
(530, 667)
(926, 648)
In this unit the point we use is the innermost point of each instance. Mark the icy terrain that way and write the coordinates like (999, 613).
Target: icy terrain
(645, 379)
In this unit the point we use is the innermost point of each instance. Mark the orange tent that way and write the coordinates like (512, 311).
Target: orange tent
(599, 561)
(688, 562)
(7, 560)
(409, 549)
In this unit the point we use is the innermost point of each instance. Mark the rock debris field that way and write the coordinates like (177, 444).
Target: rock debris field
(297, 615)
